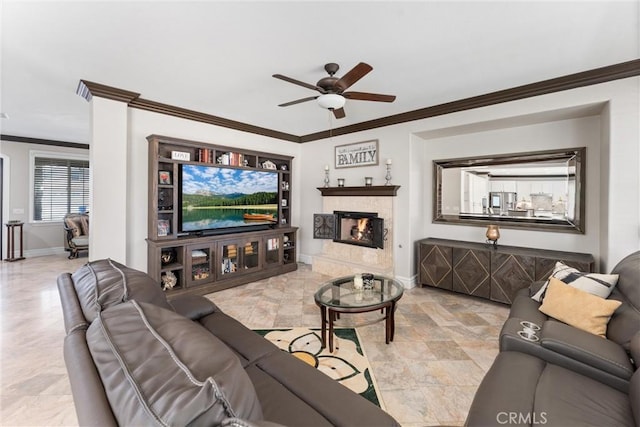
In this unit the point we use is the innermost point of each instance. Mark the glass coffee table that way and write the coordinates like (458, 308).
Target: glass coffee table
(341, 296)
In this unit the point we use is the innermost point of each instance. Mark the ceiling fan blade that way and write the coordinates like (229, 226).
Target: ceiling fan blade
(355, 74)
(364, 96)
(299, 83)
(339, 113)
(298, 101)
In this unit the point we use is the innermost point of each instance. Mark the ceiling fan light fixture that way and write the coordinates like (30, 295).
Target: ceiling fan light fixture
(331, 101)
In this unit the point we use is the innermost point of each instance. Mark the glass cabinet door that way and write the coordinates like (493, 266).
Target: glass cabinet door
(238, 256)
(199, 267)
(272, 248)
(250, 255)
(230, 257)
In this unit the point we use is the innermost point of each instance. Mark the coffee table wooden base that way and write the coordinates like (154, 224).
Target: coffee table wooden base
(330, 314)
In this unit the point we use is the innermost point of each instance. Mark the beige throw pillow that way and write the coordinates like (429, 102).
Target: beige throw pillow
(578, 308)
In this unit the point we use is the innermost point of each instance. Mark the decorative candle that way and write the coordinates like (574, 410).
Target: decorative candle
(326, 167)
(368, 181)
(357, 282)
(388, 161)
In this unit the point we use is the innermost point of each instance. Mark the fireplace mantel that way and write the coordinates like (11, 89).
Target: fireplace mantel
(371, 190)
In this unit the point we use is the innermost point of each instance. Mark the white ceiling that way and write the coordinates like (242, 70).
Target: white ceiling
(218, 57)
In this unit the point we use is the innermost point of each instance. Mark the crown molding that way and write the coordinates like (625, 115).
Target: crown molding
(157, 107)
(622, 70)
(87, 90)
(571, 81)
(51, 142)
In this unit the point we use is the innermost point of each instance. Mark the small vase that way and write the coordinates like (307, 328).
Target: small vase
(493, 234)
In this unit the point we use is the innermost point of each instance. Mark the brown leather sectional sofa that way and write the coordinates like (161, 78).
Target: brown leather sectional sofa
(566, 376)
(135, 358)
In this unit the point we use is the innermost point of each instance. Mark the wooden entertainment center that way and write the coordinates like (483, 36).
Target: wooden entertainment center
(205, 262)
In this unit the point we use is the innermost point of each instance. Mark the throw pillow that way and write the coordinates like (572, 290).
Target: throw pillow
(596, 284)
(578, 308)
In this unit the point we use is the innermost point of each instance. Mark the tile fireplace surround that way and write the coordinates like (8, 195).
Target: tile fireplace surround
(339, 259)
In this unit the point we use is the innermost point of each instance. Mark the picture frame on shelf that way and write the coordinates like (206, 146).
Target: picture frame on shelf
(164, 227)
(164, 177)
(357, 154)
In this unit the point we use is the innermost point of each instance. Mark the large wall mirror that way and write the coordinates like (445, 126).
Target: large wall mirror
(536, 190)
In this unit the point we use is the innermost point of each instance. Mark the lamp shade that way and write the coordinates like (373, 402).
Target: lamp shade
(331, 101)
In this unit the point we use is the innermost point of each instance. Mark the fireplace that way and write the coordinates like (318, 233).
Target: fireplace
(339, 259)
(359, 228)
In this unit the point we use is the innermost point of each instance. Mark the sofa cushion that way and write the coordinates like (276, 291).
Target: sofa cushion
(625, 322)
(597, 284)
(578, 308)
(160, 368)
(105, 283)
(520, 389)
(570, 399)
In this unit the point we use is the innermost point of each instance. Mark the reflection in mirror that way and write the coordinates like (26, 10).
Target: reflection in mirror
(533, 190)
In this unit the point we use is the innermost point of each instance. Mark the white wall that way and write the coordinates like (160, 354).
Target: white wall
(604, 118)
(560, 134)
(109, 180)
(39, 238)
(613, 200)
(612, 137)
(142, 124)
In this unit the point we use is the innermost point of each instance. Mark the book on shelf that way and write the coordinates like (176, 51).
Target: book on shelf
(236, 159)
(205, 155)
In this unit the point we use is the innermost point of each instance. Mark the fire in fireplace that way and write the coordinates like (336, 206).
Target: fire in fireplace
(359, 228)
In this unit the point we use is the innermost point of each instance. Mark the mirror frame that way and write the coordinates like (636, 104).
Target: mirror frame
(575, 226)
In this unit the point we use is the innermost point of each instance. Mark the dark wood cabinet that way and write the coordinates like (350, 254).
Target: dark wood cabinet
(509, 273)
(472, 272)
(480, 270)
(435, 265)
(198, 263)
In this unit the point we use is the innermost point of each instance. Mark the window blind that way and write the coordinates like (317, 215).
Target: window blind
(60, 186)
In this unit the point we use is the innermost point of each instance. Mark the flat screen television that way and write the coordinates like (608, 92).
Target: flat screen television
(217, 199)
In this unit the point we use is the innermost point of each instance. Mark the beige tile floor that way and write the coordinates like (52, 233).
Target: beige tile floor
(444, 342)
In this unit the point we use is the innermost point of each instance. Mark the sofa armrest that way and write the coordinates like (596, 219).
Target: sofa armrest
(91, 402)
(587, 348)
(193, 307)
(71, 311)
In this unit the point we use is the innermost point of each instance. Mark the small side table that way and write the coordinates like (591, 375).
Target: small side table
(11, 243)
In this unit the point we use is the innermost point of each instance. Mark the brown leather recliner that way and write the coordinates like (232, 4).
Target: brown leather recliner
(566, 376)
(135, 358)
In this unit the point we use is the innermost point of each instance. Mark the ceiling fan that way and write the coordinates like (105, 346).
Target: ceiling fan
(332, 89)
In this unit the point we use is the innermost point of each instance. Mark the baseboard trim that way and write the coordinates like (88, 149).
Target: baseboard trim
(33, 253)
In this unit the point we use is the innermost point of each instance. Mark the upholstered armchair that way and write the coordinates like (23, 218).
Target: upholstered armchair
(76, 226)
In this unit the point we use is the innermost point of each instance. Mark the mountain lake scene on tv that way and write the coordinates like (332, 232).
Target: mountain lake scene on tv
(215, 197)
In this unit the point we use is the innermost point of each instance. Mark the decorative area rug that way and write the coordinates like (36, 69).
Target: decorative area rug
(347, 364)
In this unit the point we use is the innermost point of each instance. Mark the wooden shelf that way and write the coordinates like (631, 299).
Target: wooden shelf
(372, 190)
(202, 275)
